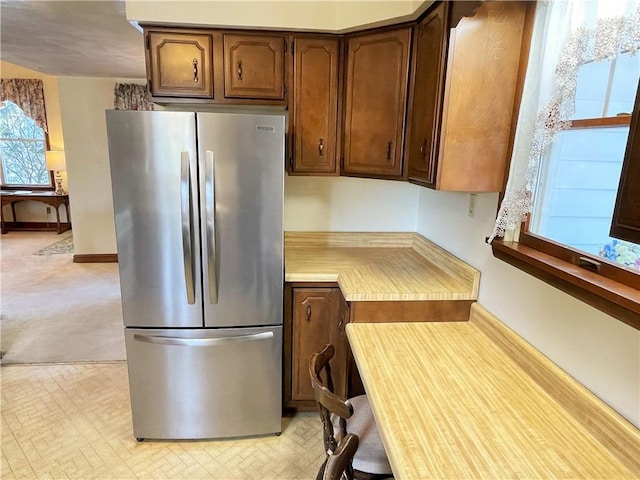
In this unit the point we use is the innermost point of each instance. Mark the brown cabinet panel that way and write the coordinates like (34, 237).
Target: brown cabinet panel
(376, 86)
(626, 214)
(254, 66)
(466, 78)
(430, 40)
(315, 105)
(316, 322)
(179, 64)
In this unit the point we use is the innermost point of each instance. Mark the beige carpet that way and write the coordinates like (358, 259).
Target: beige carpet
(54, 310)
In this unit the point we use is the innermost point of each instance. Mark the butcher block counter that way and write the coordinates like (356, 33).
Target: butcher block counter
(371, 267)
(474, 400)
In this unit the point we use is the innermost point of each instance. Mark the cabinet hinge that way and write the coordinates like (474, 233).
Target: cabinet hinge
(291, 163)
(150, 87)
(293, 46)
(148, 42)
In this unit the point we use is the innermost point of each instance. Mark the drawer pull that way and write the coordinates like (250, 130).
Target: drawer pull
(308, 313)
(321, 147)
(389, 145)
(240, 70)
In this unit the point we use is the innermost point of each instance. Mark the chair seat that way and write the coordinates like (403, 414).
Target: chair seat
(370, 456)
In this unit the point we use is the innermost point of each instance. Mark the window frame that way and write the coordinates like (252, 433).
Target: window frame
(596, 281)
(8, 187)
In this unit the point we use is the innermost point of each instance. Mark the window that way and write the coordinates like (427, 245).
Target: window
(22, 150)
(579, 109)
(578, 182)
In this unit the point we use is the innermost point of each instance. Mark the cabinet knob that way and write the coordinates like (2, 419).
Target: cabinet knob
(195, 70)
(239, 70)
(389, 145)
(308, 313)
(321, 147)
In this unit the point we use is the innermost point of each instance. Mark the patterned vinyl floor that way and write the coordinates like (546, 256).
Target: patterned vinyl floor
(73, 421)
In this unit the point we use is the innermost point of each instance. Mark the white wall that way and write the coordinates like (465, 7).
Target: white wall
(322, 15)
(349, 204)
(599, 351)
(82, 105)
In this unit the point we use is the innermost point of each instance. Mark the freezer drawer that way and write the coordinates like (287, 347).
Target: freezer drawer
(205, 383)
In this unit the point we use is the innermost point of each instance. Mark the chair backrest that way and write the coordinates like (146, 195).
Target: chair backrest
(328, 402)
(339, 462)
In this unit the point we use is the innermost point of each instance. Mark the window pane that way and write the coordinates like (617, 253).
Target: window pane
(577, 192)
(625, 76)
(23, 162)
(592, 88)
(22, 149)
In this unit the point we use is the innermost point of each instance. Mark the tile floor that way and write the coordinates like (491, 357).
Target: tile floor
(73, 421)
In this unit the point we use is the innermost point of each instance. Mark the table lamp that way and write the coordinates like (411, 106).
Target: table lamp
(55, 162)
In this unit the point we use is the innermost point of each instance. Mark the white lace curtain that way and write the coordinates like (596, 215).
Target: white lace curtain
(567, 34)
(131, 96)
(28, 95)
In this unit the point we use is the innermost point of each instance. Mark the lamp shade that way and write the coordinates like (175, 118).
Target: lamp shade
(55, 160)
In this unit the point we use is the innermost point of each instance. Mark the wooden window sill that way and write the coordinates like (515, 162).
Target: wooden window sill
(614, 298)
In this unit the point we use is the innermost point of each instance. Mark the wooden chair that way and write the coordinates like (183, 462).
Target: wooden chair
(355, 413)
(338, 466)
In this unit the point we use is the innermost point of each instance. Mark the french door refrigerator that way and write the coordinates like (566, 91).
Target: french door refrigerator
(198, 203)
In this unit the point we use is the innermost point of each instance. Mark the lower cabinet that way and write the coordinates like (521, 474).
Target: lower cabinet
(315, 317)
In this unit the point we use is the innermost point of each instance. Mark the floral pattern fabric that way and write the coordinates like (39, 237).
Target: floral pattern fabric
(28, 94)
(131, 96)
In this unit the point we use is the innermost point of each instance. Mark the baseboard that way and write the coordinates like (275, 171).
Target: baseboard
(31, 226)
(95, 258)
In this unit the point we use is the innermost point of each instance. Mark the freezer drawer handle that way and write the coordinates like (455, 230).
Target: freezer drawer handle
(210, 209)
(201, 342)
(187, 237)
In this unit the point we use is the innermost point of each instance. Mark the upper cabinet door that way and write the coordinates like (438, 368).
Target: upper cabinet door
(254, 66)
(315, 105)
(376, 87)
(626, 214)
(430, 41)
(179, 64)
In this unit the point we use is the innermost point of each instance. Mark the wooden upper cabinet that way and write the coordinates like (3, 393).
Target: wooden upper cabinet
(376, 87)
(254, 66)
(463, 95)
(179, 64)
(430, 42)
(626, 214)
(315, 105)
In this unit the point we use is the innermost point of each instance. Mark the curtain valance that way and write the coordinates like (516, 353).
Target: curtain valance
(28, 94)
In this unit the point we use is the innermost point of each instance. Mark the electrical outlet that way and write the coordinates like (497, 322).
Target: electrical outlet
(48, 209)
(472, 205)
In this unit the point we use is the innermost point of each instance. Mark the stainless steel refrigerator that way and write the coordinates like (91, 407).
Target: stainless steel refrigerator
(198, 201)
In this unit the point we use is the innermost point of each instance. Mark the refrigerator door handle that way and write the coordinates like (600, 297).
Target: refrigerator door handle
(187, 235)
(210, 212)
(200, 342)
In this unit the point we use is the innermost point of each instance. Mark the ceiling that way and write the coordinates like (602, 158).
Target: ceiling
(71, 38)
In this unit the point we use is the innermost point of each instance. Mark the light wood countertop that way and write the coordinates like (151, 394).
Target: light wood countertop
(379, 266)
(451, 401)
